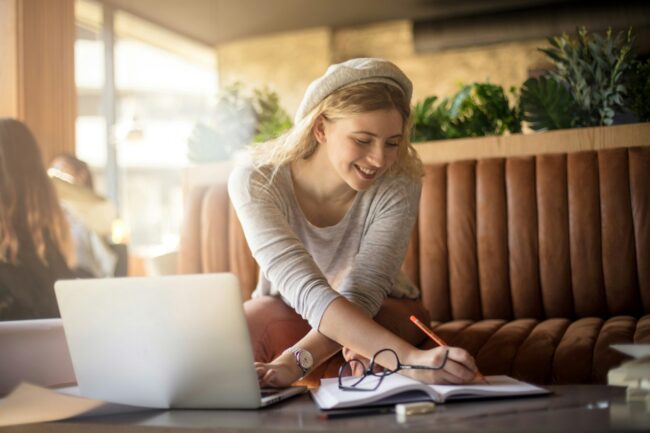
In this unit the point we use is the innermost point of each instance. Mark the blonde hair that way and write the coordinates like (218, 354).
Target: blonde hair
(300, 143)
(29, 206)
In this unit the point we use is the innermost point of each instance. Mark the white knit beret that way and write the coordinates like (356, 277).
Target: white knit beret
(350, 72)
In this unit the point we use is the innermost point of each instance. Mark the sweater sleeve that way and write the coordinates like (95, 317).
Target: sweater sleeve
(284, 260)
(383, 246)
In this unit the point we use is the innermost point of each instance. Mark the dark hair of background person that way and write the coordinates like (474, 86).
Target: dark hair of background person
(35, 243)
(72, 169)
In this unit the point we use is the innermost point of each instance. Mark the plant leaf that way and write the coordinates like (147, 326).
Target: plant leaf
(545, 104)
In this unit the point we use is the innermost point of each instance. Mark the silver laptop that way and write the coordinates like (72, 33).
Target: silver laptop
(177, 341)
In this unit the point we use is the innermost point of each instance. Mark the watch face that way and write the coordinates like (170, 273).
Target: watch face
(306, 360)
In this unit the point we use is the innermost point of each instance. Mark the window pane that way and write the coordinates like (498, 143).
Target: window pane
(89, 77)
(161, 96)
(164, 86)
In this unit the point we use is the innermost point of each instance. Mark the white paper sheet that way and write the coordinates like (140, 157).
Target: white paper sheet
(33, 404)
(633, 350)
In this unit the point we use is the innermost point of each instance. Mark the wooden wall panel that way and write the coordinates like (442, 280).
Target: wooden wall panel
(8, 58)
(37, 70)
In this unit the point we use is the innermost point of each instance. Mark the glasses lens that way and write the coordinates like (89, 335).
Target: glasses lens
(353, 367)
(384, 362)
(352, 376)
(367, 383)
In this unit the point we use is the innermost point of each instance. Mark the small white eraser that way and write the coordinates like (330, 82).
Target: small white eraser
(417, 408)
(634, 393)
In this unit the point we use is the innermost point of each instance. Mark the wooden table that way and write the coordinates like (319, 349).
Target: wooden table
(571, 408)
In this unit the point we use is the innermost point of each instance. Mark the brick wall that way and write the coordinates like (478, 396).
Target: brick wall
(287, 62)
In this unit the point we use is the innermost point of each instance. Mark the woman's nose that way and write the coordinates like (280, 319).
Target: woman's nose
(377, 156)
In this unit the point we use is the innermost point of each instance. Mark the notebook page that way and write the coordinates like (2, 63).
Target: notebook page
(496, 386)
(329, 396)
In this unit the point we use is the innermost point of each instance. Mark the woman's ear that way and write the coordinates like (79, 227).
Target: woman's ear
(319, 130)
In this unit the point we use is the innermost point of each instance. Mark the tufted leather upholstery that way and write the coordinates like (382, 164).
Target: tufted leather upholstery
(534, 264)
(537, 264)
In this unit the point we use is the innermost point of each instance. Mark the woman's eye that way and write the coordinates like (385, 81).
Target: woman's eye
(362, 142)
(392, 144)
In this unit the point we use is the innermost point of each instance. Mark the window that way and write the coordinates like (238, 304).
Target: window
(163, 85)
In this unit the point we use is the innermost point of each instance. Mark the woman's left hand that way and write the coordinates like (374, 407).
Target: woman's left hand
(280, 373)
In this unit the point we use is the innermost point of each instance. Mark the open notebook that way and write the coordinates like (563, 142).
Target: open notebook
(401, 389)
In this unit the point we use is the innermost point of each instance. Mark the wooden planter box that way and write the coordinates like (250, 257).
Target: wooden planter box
(564, 140)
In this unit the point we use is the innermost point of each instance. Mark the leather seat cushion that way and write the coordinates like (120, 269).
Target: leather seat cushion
(558, 351)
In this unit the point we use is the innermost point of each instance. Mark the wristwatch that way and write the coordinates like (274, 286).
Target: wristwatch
(304, 359)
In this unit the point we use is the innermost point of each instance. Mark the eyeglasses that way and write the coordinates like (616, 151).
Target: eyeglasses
(376, 370)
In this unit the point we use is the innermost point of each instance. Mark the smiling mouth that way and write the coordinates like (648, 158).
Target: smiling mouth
(366, 173)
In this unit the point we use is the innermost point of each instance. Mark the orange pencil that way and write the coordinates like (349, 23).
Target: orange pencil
(439, 341)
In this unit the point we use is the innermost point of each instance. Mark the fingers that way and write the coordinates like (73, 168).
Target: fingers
(261, 370)
(459, 368)
(457, 373)
(444, 377)
(266, 375)
(269, 378)
(347, 354)
(462, 357)
(450, 365)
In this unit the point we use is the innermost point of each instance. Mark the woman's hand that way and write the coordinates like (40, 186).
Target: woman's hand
(459, 368)
(280, 373)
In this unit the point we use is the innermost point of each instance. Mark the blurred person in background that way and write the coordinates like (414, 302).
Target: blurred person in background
(90, 216)
(35, 244)
(71, 169)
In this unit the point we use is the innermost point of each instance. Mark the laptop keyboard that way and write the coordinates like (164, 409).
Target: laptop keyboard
(271, 391)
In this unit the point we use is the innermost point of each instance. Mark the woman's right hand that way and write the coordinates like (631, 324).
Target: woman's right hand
(275, 375)
(460, 366)
(279, 373)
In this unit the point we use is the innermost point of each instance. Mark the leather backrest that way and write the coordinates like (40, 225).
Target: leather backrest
(212, 239)
(564, 235)
(555, 235)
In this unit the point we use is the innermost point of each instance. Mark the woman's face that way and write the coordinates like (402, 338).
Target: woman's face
(362, 147)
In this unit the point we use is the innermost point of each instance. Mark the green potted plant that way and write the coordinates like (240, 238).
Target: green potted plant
(236, 122)
(230, 127)
(596, 83)
(271, 119)
(430, 120)
(476, 110)
(638, 86)
(588, 87)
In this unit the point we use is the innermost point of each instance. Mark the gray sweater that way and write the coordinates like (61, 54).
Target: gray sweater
(308, 266)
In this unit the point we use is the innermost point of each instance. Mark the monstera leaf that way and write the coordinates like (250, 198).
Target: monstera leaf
(547, 104)
(429, 120)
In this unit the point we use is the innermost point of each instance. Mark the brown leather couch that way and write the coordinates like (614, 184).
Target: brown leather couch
(535, 264)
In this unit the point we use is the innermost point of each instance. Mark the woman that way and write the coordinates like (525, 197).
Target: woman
(327, 212)
(86, 213)
(35, 244)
